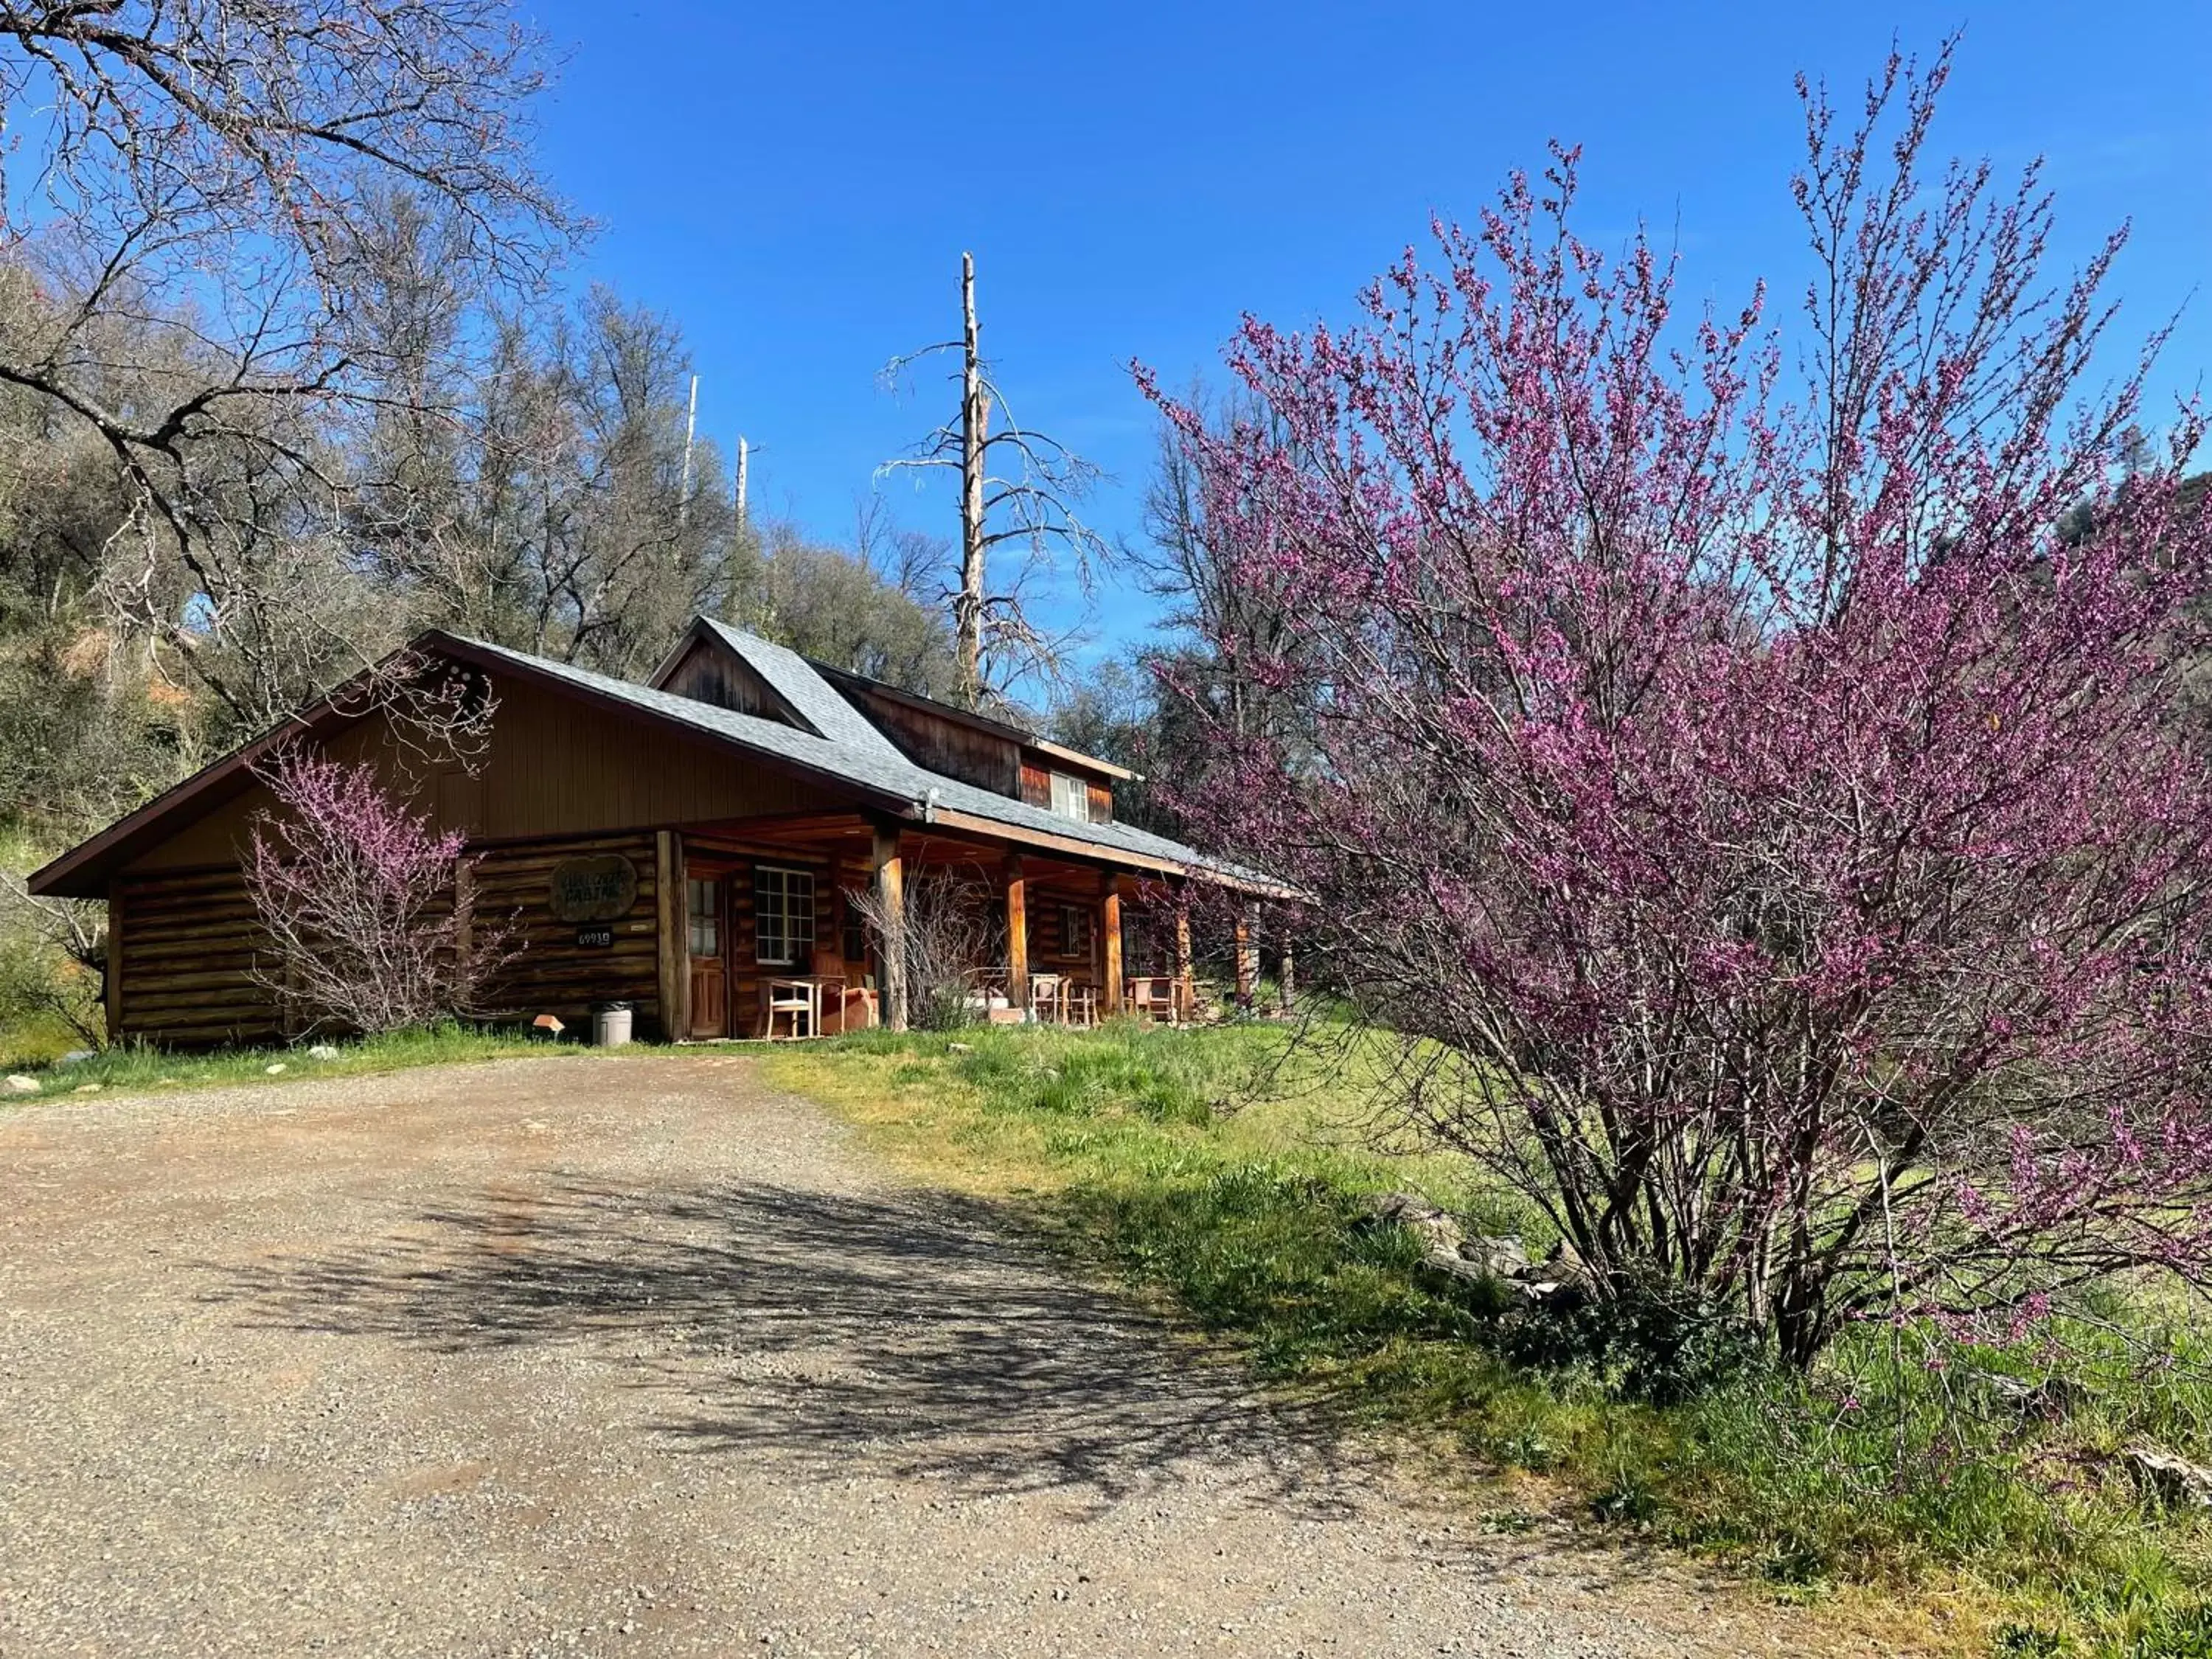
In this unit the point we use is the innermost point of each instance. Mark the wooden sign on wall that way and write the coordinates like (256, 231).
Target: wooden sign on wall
(600, 888)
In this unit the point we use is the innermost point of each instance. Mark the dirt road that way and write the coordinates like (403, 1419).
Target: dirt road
(633, 1356)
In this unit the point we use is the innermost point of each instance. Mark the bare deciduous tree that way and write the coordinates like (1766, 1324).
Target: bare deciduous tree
(214, 184)
(1017, 486)
(54, 967)
(946, 928)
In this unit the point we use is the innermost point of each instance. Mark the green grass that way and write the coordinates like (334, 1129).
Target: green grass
(1211, 1170)
(140, 1068)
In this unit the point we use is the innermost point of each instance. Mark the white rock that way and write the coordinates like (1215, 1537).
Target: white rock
(22, 1086)
(323, 1051)
(271, 1070)
(2169, 1478)
(75, 1056)
(85, 1089)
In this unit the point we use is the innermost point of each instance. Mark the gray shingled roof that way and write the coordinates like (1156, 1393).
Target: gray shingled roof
(852, 749)
(793, 678)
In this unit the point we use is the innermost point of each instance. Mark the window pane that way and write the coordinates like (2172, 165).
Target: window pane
(704, 909)
(1070, 797)
(783, 911)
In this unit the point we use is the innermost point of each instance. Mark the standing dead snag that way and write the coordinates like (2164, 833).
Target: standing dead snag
(996, 639)
(363, 904)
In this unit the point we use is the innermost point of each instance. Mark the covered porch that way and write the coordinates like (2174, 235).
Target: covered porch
(777, 926)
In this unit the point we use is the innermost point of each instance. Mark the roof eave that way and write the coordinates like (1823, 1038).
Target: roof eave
(500, 661)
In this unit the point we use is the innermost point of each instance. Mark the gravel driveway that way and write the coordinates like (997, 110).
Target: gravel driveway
(632, 1356)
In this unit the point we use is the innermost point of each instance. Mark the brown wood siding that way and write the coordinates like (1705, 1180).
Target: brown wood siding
(554, 974)
(945, 745)
(1102, 804)
(184, 973)
(555, 767)
(192, 947)
(1036, 785)
(712, 673)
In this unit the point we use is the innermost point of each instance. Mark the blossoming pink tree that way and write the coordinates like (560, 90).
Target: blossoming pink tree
(1783, 847)
(358, 897)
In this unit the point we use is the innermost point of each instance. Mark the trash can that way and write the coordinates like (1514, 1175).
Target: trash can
(610, 1023)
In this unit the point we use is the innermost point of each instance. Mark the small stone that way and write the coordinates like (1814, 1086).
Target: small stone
(323, 1051)
(959, 1047)
(87, 1088)
(20, 1084)
(75, 1057)
(271, 1070)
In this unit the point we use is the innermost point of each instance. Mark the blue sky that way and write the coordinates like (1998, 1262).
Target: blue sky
(794, 185)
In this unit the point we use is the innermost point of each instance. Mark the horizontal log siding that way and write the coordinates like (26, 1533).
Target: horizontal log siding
(553, 974)
(191, 944)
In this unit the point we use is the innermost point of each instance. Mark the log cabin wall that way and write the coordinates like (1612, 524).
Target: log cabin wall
(555, 973)
(193, 963)
(560, 778)
(185, 973)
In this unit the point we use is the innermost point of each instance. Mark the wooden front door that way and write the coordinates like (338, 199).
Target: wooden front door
(707, 928)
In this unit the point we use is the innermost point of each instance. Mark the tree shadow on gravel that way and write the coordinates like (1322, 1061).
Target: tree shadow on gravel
(904, 1333)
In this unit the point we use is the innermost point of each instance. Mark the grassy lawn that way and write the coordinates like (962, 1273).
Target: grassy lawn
(1931, 1495)
(139, 1068)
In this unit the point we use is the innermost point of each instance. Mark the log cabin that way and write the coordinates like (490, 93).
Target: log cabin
(692, 846)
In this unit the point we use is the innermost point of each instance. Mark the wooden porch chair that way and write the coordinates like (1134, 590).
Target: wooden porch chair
(1048, 993)
(1152, 996)
(848, 1001)
(1079, 1003)
(797, 1001)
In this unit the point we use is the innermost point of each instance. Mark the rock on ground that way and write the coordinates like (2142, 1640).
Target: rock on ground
(630, 1357)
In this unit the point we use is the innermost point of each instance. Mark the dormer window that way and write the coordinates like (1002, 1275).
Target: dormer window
(1070, 797)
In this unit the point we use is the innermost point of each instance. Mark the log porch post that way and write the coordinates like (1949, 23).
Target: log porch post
(672, 915)
(890, 885)
(1248, 960)
(1017, 935)
(1186, 990)
(1110, 909)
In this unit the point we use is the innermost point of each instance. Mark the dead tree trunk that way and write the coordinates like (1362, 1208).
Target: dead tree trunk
(974, 436)
(1029, 483)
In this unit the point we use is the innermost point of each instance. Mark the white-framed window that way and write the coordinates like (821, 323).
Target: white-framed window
(783, 915)
(1070, 797)
(1074, 932)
